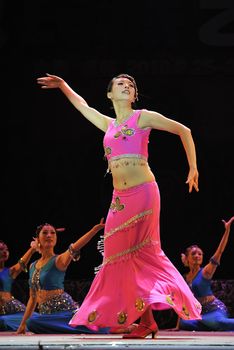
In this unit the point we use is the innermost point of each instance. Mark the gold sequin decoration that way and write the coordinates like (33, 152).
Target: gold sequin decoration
(92, 316)
(107, 151)
(125, 131)
(122, 317)
(117, 206)
(35, 280)
(169, 300)
(139, 304)
(125, 252)
(185, 311)
(61, 302)
(117, 134)
(129, 222)
(128, 131)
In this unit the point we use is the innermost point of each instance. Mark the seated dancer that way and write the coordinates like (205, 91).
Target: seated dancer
(11, 309)
(46, 282)
(214, 312)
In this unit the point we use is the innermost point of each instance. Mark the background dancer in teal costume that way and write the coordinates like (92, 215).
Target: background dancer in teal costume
(46, 281)
(214, 312)
(11, 309)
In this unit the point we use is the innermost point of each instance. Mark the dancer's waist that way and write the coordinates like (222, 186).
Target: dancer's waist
(56, 303)
(130, 172)
(43, 294)
(206, 299)
(5, 296)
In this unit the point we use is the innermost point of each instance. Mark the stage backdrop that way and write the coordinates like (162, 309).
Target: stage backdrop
(181, 54)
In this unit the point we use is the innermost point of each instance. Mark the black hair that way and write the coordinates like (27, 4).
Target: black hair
(127, 76)
(39, 228)
(188, 249)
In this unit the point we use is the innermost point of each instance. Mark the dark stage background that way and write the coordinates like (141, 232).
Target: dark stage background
(181, 54)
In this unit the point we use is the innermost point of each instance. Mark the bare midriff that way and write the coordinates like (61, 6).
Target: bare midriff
(5, 296)
(44, 295)
(129, 172)
(206, 299)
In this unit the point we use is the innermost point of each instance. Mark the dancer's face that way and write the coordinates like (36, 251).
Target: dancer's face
(4, 252)
(47, 236)
(195, 256)
(122, 89)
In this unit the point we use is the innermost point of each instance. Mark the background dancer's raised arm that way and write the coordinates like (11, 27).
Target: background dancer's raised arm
(199, 278)
(11, 309)
(46, 280)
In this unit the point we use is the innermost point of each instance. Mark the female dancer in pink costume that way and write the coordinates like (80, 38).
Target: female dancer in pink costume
(135, 276)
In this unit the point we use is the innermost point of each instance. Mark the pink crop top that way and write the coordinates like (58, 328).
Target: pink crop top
(126, 139)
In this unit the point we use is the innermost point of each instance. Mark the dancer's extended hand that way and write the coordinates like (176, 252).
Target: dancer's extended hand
(50, 82)
(99, 226)
(192, 180)
(228, 223)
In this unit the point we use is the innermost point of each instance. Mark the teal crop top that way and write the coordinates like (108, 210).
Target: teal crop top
(49, 277)
(6, 280)
(201, 286)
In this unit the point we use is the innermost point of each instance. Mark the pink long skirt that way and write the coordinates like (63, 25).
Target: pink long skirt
(135, 272)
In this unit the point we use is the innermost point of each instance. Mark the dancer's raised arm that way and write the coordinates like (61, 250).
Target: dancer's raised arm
(214, 262)
(50, 81)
